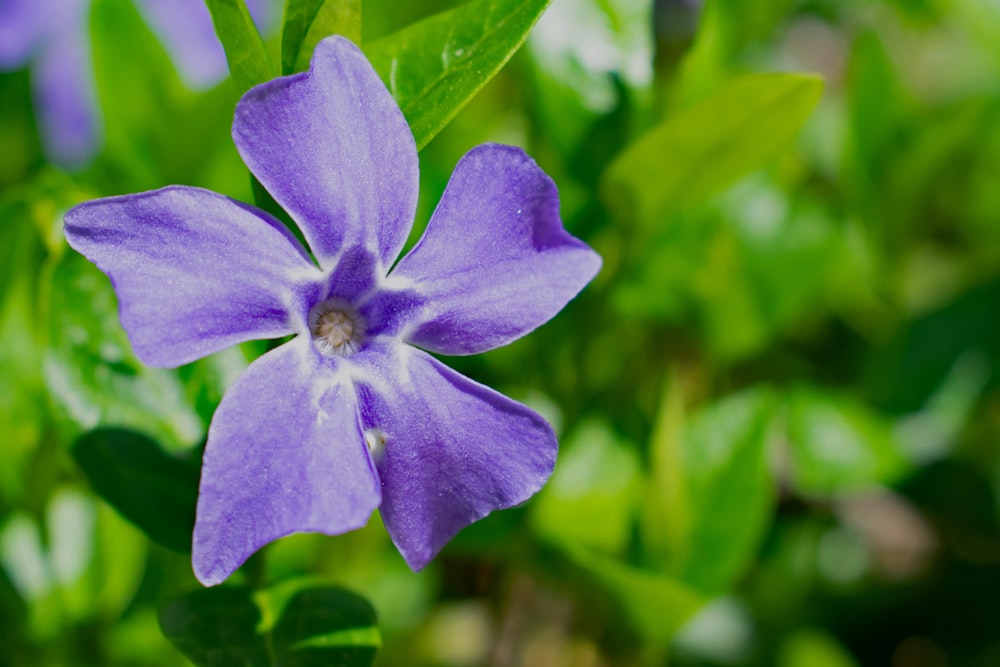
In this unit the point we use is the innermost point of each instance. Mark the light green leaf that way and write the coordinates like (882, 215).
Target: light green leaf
(294, 624)
(308, 21)
(434, 67)
(700, 150)
(249, 62)
(591, 497)
(719, 509)
(665, 516)
(839, 444)
(814, 648)
(21, 385)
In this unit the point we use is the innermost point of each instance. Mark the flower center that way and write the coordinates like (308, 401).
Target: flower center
(336, 328)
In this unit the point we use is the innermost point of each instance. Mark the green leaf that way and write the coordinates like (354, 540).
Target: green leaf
(814, 648)
(838, 444)
(143, 147)
(293, 625)
(308, 21)
(22, 389)
(152, 489)
(249, 62)
(656, 605)
(591, 497)
(721, 504)
(434, 67)
(700, 150)
(666, 516)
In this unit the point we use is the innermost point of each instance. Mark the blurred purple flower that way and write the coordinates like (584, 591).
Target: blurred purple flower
(352, 414)
(53, 38)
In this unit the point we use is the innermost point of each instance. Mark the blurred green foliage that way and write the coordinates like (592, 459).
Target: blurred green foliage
(778, 404)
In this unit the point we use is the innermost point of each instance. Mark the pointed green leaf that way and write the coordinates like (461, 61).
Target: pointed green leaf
(666, 516)
(154, 490)
(716, 516)
(700, 150)
(293, 624)
(249, 62)
(308, 21)
(434, 67)
(729, 487)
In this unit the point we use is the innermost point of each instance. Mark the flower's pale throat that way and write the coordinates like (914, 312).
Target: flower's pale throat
(336, 327)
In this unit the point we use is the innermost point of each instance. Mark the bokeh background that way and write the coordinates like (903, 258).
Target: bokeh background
(778, 404)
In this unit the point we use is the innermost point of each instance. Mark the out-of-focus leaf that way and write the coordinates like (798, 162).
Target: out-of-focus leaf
(666, 515)
(293, 625)
(18, 133)
(21, 385)
(814, 648)
(575, 82)
(91, 374)
(590, 499)
(906, 372)
(933, 431)
(434, 67)
(716, 518)
(838, 444)
(655, 604)
(700, 150)
(874, 117)
(308, 21)
(118, 569)
(249, 62)
(152, 489)
(144, 148)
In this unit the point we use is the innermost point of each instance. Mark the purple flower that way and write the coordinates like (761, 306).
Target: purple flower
(53, 37)
(352, 414)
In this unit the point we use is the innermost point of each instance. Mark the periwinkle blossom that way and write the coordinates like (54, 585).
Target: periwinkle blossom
(52, 37)
(352, 414)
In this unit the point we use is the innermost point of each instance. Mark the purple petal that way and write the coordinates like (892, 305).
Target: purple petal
(22, 23)
(187, 32)
(285, 454)
(334, 150)
(195, 272)
(453, 452)
(495, 261)
(66, 98)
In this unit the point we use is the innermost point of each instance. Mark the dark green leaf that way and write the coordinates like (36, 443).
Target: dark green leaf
(698, 151)
(249, 62)
(292, 625)
(433, 68)
(308, 21)
(152, 489)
